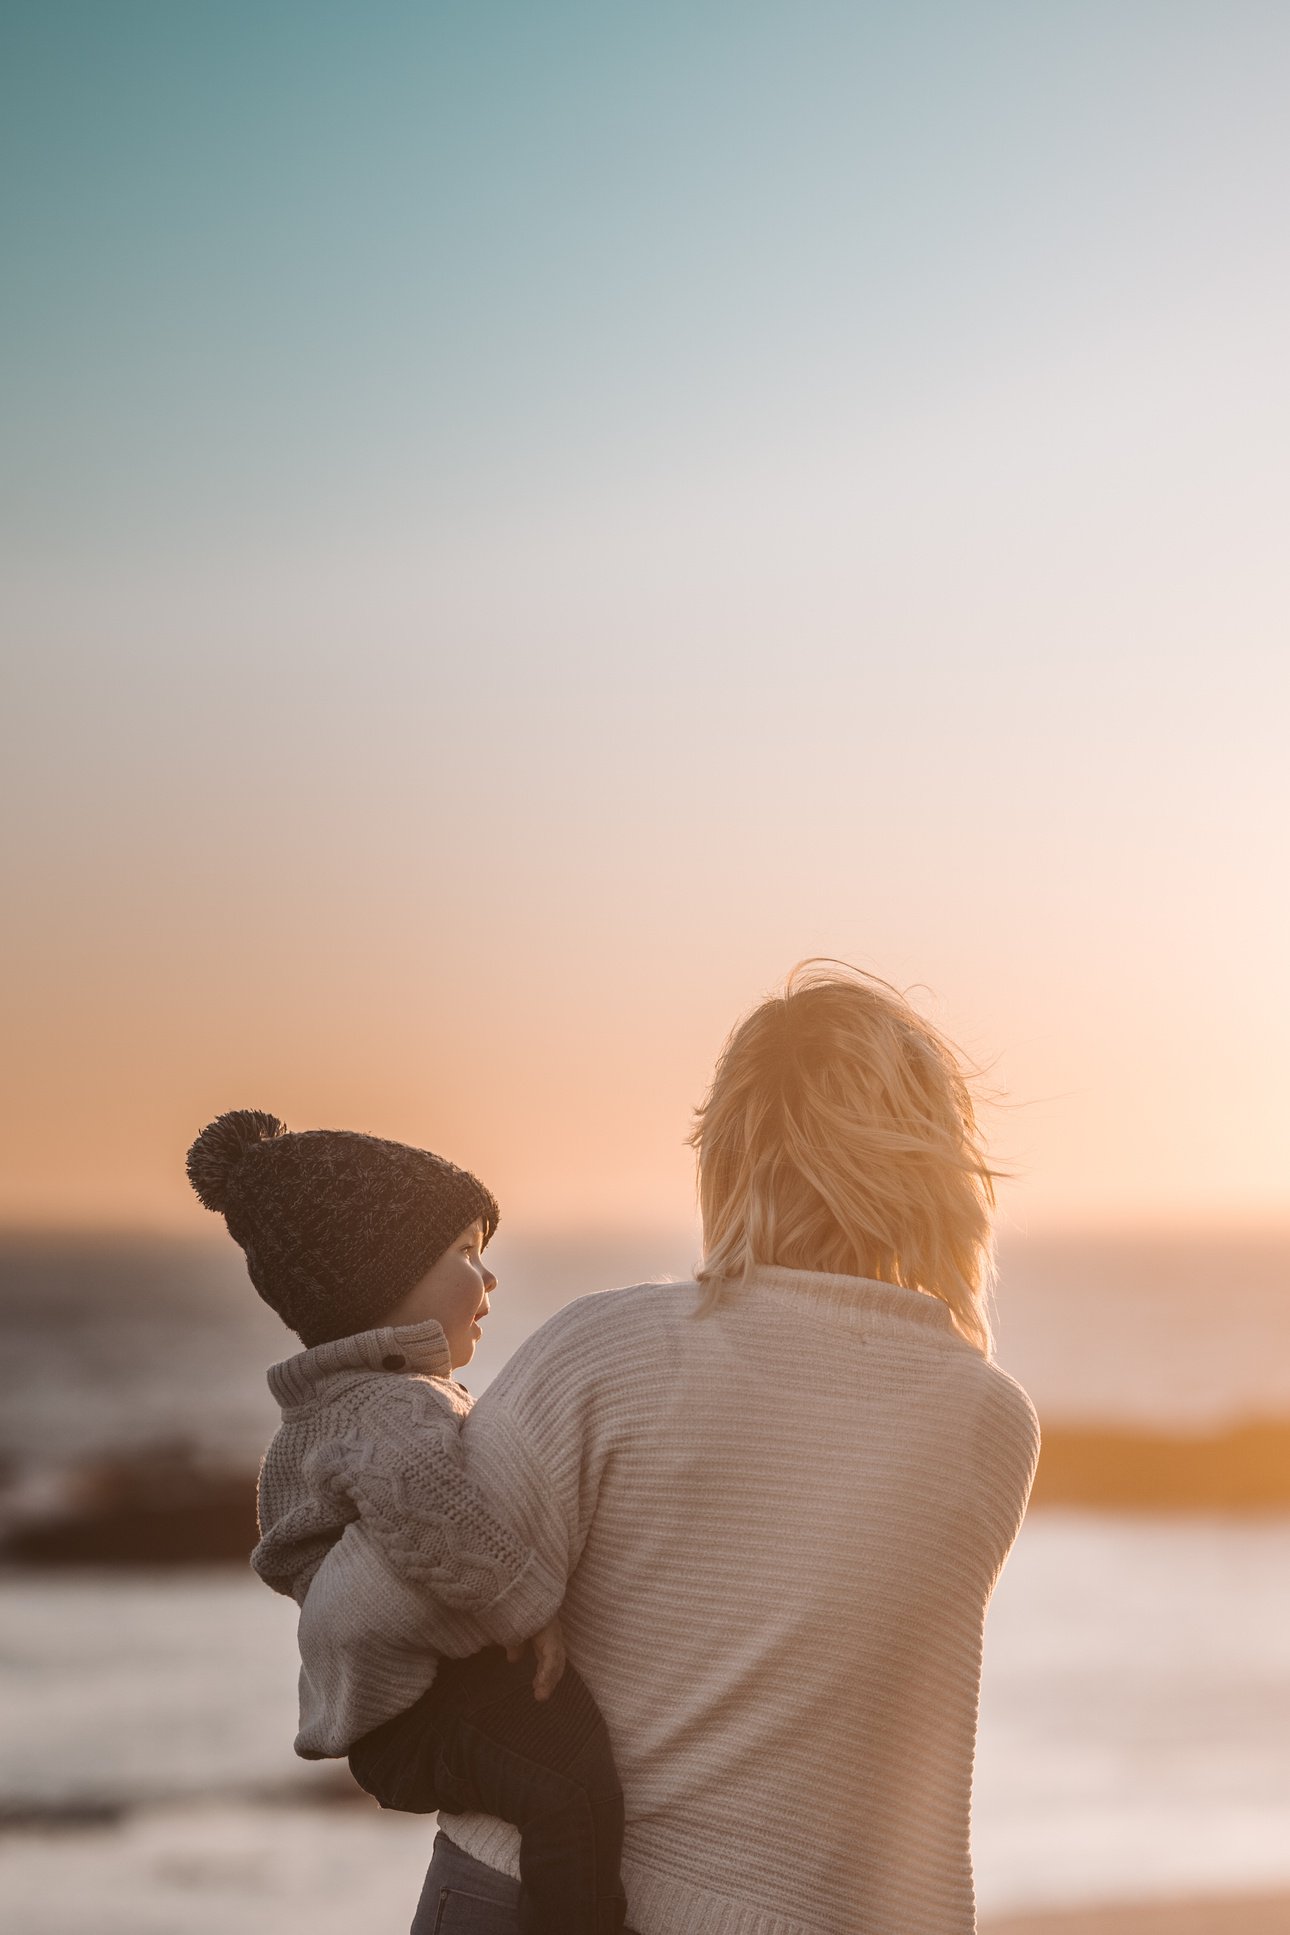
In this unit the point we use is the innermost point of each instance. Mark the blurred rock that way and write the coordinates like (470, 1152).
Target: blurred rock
(169, 1506)
(1243, 1468)
(159, 1507)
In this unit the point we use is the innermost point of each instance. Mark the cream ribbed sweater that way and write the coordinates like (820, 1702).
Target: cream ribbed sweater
(780, 1526)
(368, 1521)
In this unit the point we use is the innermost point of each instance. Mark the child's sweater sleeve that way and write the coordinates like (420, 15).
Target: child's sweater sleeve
(370, 1638)
(387, 1467)
(415, 1512)
(395, 1556)
(299, 1521)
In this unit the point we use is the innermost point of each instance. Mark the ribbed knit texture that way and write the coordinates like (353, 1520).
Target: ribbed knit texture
(368, 1520)
(780, 1526)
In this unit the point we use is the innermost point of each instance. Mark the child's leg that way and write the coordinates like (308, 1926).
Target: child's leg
(401, 1763)
(546, 1766)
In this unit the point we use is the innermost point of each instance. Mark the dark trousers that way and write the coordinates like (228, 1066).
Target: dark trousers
(478, 1742)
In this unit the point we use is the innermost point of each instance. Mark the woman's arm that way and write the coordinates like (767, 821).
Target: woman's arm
(542, 1435)
(422, 1531)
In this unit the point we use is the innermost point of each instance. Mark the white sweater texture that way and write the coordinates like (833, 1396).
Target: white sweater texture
(775, 1530)
(368, 1520)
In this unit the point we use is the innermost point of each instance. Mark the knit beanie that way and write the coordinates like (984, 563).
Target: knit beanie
(337, 1227)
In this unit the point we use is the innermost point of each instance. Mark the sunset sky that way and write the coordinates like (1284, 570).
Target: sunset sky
(523, 521)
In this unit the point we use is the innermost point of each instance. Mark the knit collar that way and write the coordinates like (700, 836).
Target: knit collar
(404, 1347)
(865, 1302)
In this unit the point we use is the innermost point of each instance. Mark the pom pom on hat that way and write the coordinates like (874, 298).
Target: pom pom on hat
(220, 1148)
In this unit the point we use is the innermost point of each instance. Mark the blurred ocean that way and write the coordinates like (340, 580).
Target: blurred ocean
(112, 1343)
(1136, 1702)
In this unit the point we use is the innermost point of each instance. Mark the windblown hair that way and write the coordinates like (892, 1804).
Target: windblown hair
(839, 1135)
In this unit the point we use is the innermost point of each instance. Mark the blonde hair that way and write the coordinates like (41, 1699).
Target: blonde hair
(839, 1135)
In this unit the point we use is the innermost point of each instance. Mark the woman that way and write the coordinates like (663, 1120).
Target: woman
(779, 1498)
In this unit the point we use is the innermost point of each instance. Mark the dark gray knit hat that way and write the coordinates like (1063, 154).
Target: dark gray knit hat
(336, 1226)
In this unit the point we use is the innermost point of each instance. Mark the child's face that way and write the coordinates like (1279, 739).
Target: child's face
(455, 1291)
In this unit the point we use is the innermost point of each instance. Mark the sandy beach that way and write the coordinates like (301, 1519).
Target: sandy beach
(1228, 1915)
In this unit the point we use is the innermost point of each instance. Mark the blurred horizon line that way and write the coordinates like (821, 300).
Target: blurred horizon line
(1148, 1225)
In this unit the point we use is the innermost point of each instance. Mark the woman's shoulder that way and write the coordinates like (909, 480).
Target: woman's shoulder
(1007, 1424)
(1007, 1393)
(587, 1346)
(589, 1372)
(983, 1402)
(639, 1309)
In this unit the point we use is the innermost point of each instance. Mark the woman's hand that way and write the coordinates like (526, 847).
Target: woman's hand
(548, 1645)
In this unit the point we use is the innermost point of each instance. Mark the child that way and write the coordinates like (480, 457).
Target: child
(372, 1252)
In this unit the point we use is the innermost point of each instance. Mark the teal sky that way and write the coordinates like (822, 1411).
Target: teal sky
(522, 521)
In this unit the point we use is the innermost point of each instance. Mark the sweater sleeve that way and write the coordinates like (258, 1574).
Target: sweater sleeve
(421, 1517)
(1005, 1456)
(541, 1436)
(298, 1526)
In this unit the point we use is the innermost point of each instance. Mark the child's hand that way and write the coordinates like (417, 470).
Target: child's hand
(548, 1645)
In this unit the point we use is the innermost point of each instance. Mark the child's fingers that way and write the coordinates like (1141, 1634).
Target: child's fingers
(550, 1654)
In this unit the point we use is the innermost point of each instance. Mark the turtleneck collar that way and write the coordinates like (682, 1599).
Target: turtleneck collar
(866, 1302)
(419, 1347)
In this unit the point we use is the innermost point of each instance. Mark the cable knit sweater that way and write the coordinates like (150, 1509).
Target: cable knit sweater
(779, 1527)
(369, 1522)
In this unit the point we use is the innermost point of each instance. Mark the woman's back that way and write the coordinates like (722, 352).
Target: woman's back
(780, 1524)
